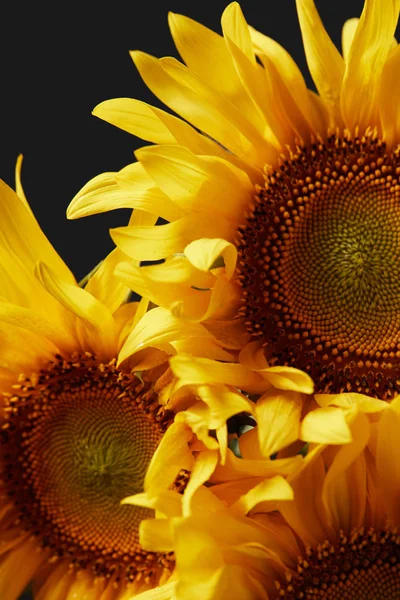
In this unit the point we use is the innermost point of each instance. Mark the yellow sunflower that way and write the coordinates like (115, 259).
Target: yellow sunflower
(84, 389)
(330, 530)
(282, 204)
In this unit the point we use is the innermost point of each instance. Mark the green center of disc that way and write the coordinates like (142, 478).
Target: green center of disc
(341, 268)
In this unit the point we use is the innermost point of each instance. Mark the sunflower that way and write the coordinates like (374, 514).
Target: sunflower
(84, 388)
(282, 203)
(329, 531)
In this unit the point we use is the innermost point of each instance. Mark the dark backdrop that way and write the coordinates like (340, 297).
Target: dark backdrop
(58, 60)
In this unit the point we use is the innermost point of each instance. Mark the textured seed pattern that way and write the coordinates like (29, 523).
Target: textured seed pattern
(319, 265)
(359, 567)
(77, 439)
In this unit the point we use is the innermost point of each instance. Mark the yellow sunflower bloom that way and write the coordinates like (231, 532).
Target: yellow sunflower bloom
(330, 530)
(84, 389)
(281, 203)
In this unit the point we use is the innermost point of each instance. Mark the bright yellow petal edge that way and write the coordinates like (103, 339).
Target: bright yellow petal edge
(102, 400)
(301, 533)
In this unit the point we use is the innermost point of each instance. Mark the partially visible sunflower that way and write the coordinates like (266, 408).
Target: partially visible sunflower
(329, 531)
(84, 389)
(283, 204)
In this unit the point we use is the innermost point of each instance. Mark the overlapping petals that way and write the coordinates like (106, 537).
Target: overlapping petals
(202, 172)
(339, 486)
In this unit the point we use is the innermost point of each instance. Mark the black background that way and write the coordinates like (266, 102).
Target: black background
(58, 60)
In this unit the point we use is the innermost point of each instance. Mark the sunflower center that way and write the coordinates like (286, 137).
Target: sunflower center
(319, 265)
(359, 567)
(77, 440)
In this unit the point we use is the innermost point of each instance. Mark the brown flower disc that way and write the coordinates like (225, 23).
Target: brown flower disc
(76, 440)
(319, 265)
(359, 567)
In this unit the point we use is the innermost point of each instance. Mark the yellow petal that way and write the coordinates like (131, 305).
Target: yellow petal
(154, 243)
(387, 463)
(344, 491)
(235, 27)
(239, 468)
(135, 117)
(56, 584)
(291, 74)
(323, 59)
(27, 554)
(194, 100)
(22, 244)
(222, 437)
(202, 370)
(197, 183)
(153, 124)
(222, 402)
(171, 456)
(254, 81)
(163, 592)
(264, 86)
(276, 488)
(127, 316)
(249, 445)
(326, 426)
(205, 53)
(196, 562)
(84, 587)
(155, 329)
(207, 347)
(202, 470)
(197, 418)
(137, 278)
(20, 230)
(142, 218)
(156, 535)
(252, 356)
(24, 350)
(178, 269)
(18, 184)
(291, 120)
(229, 492)
(368, 53)
(31, 320)
(247, 142)
(306, 515)
(96, 317)
(348, 32)
(289, 378)
(395, 404)
(230, 332)
(204, 305)
(238, 578)
(388, 107)
(278, 418)
(130, 188)
(166, 501)
(365, 404)
(104, 285)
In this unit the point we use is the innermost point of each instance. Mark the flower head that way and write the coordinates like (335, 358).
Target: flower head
(282, 204)
(84, 388)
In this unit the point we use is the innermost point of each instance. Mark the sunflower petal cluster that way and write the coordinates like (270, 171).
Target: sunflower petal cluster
(234, 434)
(88, 407)
(328, 529)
